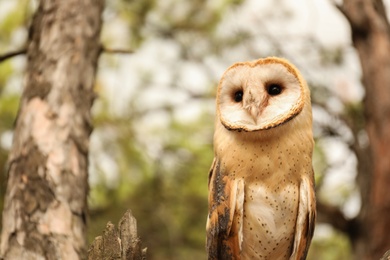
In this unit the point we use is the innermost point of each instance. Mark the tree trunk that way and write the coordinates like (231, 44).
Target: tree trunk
(45, 209)
(371, 38)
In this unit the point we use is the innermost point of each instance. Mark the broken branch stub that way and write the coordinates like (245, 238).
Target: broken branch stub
(120, 243)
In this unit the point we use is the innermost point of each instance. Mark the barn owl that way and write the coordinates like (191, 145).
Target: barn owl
(261, 182)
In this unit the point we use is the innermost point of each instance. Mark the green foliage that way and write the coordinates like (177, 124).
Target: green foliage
(6, 71)
(8, 107)
(332, 56)
(333, 247)
(168, 199)
(355, 115)
(18, 16)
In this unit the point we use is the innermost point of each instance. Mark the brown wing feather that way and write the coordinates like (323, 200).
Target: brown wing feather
(223, 231)
(306, 220)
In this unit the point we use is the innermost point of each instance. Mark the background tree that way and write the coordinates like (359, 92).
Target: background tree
(45, 210)
(371, 38)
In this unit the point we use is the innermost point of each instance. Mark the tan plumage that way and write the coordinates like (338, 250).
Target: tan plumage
(261, 190)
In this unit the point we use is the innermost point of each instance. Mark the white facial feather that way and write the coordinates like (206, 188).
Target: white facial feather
(258, 110)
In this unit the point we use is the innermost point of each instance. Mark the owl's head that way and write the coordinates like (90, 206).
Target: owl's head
(260, 95)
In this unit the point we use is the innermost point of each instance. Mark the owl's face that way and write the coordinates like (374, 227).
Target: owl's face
(260, 95)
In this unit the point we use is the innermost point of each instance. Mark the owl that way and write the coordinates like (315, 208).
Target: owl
(261, 183)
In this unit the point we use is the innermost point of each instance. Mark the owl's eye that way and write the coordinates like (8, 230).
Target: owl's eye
(274, 89)
(238, 96)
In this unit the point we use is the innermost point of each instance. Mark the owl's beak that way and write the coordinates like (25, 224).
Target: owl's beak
(253, 102)
(254, 111)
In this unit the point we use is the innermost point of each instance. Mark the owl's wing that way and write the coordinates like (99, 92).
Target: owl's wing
(306, 219)
(224, 223)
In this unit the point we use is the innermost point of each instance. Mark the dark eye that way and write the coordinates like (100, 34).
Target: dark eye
(238, 96)
(274, 89)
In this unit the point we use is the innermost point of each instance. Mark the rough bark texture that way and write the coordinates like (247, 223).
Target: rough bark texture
(45, 209)
(386, 256)
(371, 38)
(122, 243)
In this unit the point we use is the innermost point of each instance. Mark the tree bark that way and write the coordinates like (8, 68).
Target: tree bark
(45, 209)
(371, 38)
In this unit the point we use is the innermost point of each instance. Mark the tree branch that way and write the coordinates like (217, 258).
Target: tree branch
(104, 49)
(120, 242)
(362, 15)
(115, 51)
(335, 217)
(12, 54)
(332, 215)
